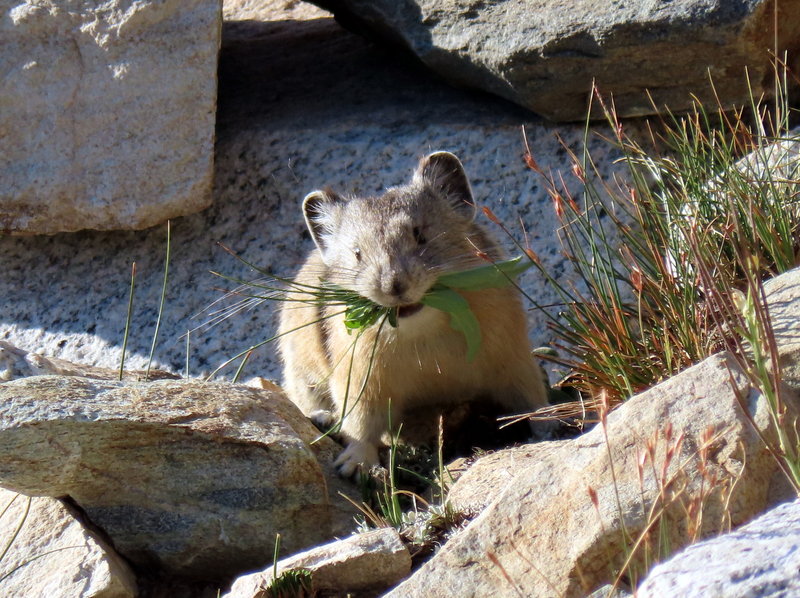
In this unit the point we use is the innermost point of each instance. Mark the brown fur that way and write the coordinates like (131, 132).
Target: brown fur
(423, 360)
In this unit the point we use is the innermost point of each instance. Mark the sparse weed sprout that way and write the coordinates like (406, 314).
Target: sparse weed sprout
(293, 583)
(423, 525)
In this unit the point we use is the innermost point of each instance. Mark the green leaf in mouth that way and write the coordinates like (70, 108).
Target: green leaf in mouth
(445, 297)
(491, 276)
(461, 317)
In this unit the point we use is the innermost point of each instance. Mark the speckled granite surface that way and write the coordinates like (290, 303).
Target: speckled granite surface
(302, 104)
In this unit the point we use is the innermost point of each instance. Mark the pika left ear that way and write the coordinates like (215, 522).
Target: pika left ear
(445, 175)
(318, 209)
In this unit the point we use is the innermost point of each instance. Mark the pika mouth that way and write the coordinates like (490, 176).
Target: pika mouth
(405, 311)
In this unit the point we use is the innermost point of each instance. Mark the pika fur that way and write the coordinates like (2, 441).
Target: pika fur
(391, 249)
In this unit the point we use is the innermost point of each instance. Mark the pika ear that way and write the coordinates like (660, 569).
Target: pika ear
(318, 210)
(445, 174)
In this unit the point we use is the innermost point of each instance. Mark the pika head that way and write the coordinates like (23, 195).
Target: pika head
(391, 248)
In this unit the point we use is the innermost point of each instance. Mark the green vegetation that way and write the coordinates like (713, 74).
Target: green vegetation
(669, 263)
(292, 583)
(129, 316)
(161, 302)
(640, 311)
(127, 321)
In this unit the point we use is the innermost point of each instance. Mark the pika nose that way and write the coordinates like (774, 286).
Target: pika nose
(394, 283)
(398, 287)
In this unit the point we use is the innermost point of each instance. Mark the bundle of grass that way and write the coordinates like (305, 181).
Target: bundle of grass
(706, 192)
(359, 311)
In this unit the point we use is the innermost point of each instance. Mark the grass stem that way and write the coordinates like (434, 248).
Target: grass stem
(127, 321)
(161, 303)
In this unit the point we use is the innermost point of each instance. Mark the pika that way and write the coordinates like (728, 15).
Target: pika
(391, 249)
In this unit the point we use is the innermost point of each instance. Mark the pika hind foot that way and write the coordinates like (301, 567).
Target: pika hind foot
(357, 455)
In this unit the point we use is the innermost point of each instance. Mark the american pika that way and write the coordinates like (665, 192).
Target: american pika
(391, 249)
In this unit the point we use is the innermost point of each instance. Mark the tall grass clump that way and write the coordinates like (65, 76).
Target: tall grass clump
(700, 189)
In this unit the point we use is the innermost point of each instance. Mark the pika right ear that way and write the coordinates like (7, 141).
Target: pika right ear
(445, 174)
(318, 207)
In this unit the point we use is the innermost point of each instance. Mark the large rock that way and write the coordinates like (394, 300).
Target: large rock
(545, 55)
(54, 556)
(195, 478)
(16, 362)
(784, 309)
(542, 535)
(370, 561)
(108, 111)
(759, 559)
(490, 475)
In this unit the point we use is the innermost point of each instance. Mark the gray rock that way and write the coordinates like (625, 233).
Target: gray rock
(542, 535)
(372, 561)
(782, 293)
(195, 478)
(108, 113)
(545, 55)
(19, 363)
(760, 559)
(54, 556)
(610, 591)
(492, 474)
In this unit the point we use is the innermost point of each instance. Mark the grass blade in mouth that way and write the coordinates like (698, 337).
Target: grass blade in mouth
(444, 296)
(361, 312)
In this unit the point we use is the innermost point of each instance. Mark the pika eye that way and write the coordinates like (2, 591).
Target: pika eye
(418, 236)
(357, 253)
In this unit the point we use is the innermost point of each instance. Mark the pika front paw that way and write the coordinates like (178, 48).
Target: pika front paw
(357, 455)
(323, 419)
